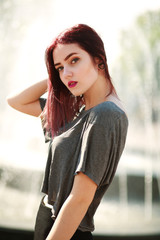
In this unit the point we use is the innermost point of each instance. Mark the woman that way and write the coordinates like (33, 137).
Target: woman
(85, 123)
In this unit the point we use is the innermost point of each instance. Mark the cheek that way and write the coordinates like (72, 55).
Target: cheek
(92, 72)
(89, 70)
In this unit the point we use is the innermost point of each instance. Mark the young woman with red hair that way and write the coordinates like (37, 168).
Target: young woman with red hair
(86, 125)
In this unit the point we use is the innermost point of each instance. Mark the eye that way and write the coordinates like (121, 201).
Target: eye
(74, 60)
(59, 69)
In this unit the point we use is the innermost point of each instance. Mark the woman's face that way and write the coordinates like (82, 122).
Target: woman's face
(76, 68)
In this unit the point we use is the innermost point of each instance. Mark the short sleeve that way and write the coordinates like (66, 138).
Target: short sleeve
(100, 151)
(47, 134)
(42, 102)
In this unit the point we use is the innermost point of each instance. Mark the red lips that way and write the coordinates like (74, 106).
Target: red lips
(72, 84)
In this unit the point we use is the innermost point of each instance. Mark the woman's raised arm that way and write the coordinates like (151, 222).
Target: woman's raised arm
(27, 101)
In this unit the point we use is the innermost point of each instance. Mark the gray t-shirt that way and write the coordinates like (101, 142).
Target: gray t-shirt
(92, 143)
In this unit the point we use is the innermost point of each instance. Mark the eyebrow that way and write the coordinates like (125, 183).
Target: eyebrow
(67, 57)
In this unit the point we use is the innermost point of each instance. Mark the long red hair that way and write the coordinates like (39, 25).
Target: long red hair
(62, 106)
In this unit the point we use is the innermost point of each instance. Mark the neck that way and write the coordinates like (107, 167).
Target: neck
(97, 93)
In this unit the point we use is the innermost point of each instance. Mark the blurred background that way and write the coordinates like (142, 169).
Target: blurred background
(131, 34)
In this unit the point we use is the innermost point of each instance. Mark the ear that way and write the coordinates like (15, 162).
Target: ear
(97, 61)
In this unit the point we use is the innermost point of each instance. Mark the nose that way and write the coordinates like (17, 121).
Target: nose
(67, 73)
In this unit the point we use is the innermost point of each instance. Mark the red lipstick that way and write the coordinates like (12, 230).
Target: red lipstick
(72, 84)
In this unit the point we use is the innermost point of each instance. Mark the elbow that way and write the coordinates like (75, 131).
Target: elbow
(81, 200)
(81, 204)
(10, 101)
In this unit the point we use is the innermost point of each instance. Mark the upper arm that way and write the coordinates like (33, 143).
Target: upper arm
(83, 188)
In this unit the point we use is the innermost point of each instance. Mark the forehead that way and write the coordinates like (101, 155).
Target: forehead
(63, 50)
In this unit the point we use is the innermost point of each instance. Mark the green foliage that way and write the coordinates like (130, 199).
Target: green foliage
(138, 68)
(150, 25)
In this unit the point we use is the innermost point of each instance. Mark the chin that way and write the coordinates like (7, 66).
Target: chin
(77, 94)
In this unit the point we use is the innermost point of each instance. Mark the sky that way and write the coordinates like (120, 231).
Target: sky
(108, 17)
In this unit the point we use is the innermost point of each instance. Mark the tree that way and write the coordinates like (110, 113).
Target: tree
(138, 68)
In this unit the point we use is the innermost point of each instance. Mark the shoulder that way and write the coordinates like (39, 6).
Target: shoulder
(107, 112)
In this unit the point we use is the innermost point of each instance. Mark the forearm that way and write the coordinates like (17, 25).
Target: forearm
(68, 220)
(74, 208)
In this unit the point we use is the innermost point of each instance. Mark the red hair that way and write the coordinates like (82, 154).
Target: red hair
(62, 106)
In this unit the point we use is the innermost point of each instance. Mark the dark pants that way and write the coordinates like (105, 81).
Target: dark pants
(44, 223)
